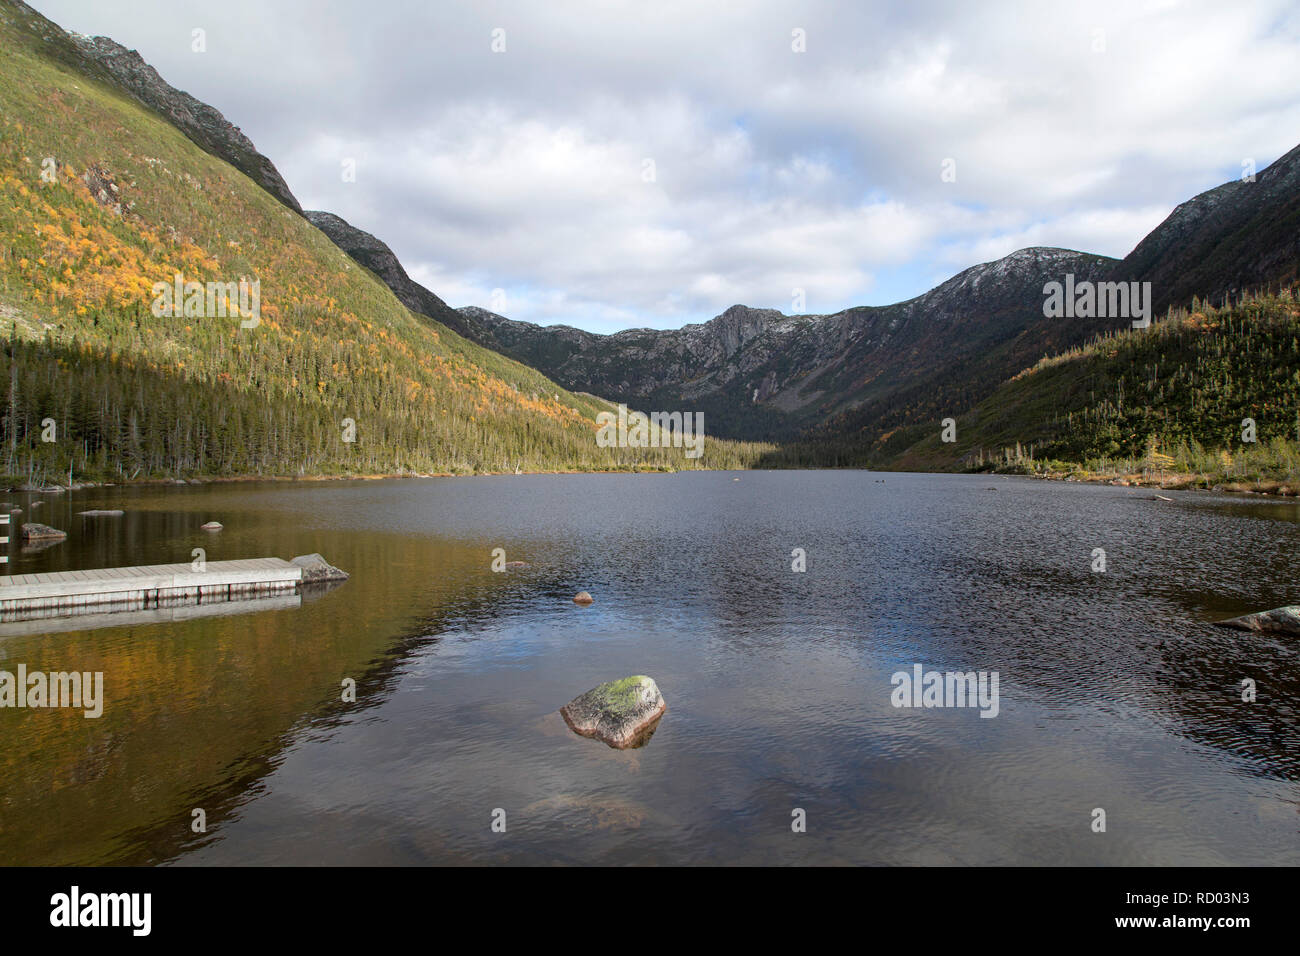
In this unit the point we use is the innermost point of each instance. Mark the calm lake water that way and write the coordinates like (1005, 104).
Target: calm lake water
(1115, 691)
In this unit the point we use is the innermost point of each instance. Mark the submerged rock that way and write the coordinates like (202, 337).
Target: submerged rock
(315, 569)
(1280, 620)
(582, 597)
(211, 526)
(622, 713)
(33, 531)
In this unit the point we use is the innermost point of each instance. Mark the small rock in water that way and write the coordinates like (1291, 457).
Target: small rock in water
(582, 597)
(315, 569)
(42, 532)
(516, 564)
(211, 526)
(1280, 620)
(99, 514)
(622, 713)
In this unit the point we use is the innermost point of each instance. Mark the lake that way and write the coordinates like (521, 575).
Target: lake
(1114, 691)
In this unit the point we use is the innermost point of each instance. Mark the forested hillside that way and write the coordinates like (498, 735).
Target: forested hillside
(101, 198)
(1174, 398)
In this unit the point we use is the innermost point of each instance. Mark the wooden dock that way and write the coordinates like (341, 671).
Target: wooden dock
(59, 593)
(168, 614)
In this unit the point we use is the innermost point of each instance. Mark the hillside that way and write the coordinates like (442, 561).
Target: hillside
(116, 67)
(1169, 398)
(370, 252)
(761, 374)
(1225, 242)
(103, 198)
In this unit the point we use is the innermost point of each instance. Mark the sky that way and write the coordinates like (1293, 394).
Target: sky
(616, 165)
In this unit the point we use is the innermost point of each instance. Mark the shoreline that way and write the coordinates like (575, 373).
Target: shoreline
(241, 479)
(1263, 487)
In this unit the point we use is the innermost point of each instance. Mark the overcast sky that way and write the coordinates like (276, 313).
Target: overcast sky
(650, 164)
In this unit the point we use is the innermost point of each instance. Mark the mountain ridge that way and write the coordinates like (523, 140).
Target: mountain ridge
(126, 70)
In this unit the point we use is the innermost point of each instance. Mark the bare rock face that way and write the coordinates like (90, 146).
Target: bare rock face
(102, 187)
(316, 569)
(1280, 620)
(34, 531)
(622, 713)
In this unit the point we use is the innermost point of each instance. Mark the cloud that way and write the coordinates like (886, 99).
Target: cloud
(626, 164)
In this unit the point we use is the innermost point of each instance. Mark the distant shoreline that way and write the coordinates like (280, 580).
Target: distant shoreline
(1266, 488)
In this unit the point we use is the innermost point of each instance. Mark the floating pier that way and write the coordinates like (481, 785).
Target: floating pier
(25, 597)
(168, 614)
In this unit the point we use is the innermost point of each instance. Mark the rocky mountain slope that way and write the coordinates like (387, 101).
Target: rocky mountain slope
(125, 70)
(875, 375)
(1236, 238)
(759, 373)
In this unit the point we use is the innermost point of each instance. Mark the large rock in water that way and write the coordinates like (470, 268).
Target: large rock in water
(33, 531)
(622, 713)
(315, 569)
(1280, 620)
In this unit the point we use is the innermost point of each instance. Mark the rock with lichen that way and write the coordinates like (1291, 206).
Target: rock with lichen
(622, 713)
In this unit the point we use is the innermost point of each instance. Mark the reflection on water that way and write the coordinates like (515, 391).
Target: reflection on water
(1116, 691)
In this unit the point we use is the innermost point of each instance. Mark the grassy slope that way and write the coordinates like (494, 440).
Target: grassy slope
(1180, 389)
(135, 394)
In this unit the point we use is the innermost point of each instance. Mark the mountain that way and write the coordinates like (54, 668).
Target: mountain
(761, 374)
(125, 70)
(151, 182)
(104, 202)
(876, 377)
(1230, 240)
